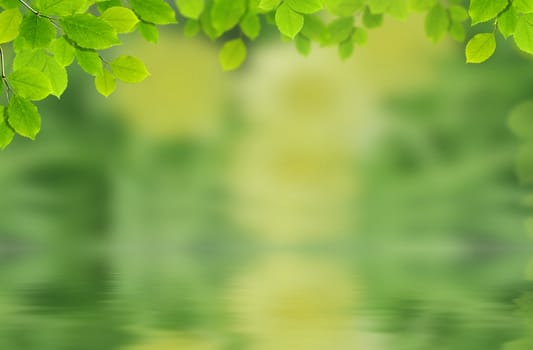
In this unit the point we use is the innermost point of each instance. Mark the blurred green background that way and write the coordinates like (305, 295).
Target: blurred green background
(300, 203)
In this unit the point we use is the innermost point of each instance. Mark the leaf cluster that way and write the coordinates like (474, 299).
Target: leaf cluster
(512, 18)
(49, 35)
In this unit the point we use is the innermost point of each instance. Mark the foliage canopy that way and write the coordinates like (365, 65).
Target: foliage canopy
(48, 35)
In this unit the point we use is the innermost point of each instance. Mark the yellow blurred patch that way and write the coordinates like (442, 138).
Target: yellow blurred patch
(289, 302)
(184, 94)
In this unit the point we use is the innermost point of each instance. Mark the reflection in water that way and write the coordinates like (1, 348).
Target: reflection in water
(287, 301)
(292, 175)
(394, 224)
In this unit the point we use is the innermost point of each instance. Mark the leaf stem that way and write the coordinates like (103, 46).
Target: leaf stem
(37, 13)
(3, 72)
(26, 5)
(2, 63)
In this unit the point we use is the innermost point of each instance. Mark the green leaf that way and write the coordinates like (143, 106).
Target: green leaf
(437, 22)
(523, 35)
(303, 45)
(346, 49)
(57, 74)
(507, 22)
(268, 5)
(10, 21)
(23, 117)
(31, 58)
(399, 9)
(63, 52)
(340, 29)
(192, 27)
(379, 6)
(103, 5)
(105, 83)
(233, 54)
(149, 32)
(6, 133)
(305, 6)
(360, 36)
(457, 31)
(89, 31)
(523, 6)
(59, 7)
(47, 64)
(480, 48)
(120, 18)
(371, 20)
(191, 8)
(154, 11)
(458, 13)
(484, 10)
(422, 5)
(251, 25)
(226, 14)
(9, 4)
(129, 69)
(89, 61)
(344, 8)
(288, 21)
(37, 32)
(30, 83)
(314, 28)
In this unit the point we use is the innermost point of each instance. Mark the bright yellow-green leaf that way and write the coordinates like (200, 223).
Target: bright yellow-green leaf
(23, 117)
(59, 7)
(37, 32)
(226, 14)
(89, 61)
(480, 48)
(507, 22)
(149, 32)
(523, 6)
(268, 5)
(379, 6)
(233, 54)
(191, 8)
(105, 83)
(305, 6)
(484, 10)
(57, 74)
(120, 18)
(6, 133)
(89, 31)
(9, 25)
(30, 83)
(251, 25)
(523, 35)
(63, 52)
(289, 22)
(154, 11)
(344, 8)
(129, 69)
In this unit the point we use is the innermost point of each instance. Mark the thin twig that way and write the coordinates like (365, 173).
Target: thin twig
(3, 72)
(2, 63)
(26, 5)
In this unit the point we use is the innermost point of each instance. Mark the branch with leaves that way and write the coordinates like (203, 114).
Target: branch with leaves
(47, 36)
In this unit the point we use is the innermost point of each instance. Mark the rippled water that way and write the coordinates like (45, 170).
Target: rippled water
(224, 297)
